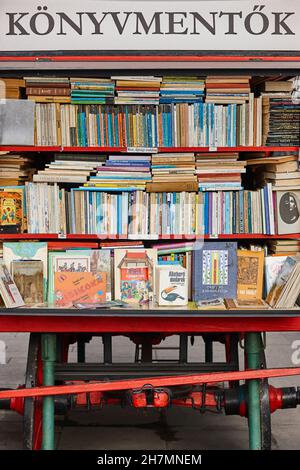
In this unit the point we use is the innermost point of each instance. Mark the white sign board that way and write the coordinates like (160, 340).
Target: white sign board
(149, 25)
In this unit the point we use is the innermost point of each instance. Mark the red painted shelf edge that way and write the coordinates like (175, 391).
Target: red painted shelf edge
(15, 148)
(160, 56)
(94, 237)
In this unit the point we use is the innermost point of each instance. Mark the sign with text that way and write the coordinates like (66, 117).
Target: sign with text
(149, 25)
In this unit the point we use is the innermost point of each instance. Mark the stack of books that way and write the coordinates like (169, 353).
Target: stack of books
(281, 115)
(284, 247)
(282, 171)
(70, 168)
(48, 90)
(219, 171)
(182, 90)
(11, 88)
(92, 91)
(227, 90)
(137, 90)
(173, 172)
(123, 173)
(15, 170)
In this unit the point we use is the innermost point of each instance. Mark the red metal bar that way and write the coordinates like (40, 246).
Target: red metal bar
(149, 58)
(112, 238)
(39, 323)
(154, 382)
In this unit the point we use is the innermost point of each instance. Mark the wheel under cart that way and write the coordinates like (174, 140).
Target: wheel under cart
(54, 386)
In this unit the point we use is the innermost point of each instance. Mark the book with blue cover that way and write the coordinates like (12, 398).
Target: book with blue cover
(215, 271)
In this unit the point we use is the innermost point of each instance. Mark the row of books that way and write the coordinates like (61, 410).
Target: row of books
(138, 89)
(84, 112)
(89, 210)
(167, 125)
(212, 274)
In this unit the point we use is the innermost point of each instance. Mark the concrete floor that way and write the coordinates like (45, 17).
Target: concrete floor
(182, 429)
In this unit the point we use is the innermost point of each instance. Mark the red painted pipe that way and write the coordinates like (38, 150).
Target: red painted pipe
(154, 382)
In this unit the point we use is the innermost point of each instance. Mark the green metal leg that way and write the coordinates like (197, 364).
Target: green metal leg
(253, 349)
(81, 351)
(48, 358)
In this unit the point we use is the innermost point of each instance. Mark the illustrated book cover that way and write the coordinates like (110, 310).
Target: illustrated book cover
(215, 271)
(28, 277)
(78, 287)
(250, 275)
(25, 251)
(288, 212)
(171, 285)
(11, 214)
(135, 275)
(9, 291)
(74, 262)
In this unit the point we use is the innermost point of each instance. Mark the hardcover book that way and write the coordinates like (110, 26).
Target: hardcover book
(66, 262)
(78, 287)
(25, 251)
(215, 271)
(288, 212)
(11, 214)
(28, 277)
(171, 285)
(135, 275)
(250, 275)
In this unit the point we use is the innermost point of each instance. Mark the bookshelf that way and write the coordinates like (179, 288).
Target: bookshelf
(71, 211)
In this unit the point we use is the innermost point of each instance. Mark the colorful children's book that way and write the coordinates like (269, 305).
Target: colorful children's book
(78, 287)
(135, 275)
(73, 262)
(11, 214)
(25, 251)
(215, 271)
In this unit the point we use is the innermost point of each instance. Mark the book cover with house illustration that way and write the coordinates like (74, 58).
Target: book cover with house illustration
(135, 275)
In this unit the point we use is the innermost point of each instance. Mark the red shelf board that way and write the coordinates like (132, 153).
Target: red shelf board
(12, 148)
(159, 56)
(91, 237)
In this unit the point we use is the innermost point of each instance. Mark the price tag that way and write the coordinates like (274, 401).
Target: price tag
(142, 150)
(213, 149)
(62, 236)
(214, 237)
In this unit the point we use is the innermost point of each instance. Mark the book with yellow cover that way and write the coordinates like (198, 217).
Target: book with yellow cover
(11, 214)
(250, 274)
(78, 287)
